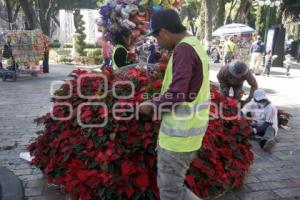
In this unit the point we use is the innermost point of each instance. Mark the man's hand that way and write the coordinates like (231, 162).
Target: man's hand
(248, 100)
(146, 108)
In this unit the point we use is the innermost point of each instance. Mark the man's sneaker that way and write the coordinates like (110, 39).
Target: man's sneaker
(269, 144)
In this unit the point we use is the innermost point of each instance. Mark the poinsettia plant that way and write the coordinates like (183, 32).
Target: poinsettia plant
(118, 160)
(283, 117)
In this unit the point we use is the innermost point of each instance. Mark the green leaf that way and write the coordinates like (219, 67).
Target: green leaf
(112, 136)
(92, 163)
(104, 167)
(137, 196)
(103, 139)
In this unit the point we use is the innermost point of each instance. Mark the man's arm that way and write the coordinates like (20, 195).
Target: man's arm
(252, 82)
(222, 80)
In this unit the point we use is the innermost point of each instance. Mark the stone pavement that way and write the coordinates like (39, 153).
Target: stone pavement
(20, 103)
(274, 175)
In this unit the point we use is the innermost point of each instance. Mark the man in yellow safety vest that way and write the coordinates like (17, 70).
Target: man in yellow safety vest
(183, 102)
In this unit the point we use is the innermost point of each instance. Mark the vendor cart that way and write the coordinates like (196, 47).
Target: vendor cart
(22, 50)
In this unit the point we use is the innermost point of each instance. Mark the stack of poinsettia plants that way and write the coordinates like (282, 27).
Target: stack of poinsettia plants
(118, 161)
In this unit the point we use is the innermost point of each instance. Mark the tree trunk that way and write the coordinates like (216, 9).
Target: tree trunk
(279, 15)
(11, 16)
(214, 14)
(54, 14)
(48, 8)
(32, 20)
(208, 21)
(9, 13)
(16, 13)
(201, 21)
(243, 12)
(220, 15)
(258, 21)
(228, 18)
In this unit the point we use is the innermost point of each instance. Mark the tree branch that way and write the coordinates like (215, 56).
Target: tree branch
(16, 13)
(51, 6)
(55, 20)
(3, 18)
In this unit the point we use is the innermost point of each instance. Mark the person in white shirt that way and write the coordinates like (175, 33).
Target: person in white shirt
(264, 118)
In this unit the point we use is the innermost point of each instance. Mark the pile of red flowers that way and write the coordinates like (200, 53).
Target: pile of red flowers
(118, 160)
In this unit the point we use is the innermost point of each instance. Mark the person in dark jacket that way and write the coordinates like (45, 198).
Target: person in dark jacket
(257, 50)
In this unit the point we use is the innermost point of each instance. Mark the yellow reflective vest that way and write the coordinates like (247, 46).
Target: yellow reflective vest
(182, 130)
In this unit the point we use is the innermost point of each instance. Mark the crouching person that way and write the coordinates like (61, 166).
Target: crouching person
(263, 115)
(233, 76)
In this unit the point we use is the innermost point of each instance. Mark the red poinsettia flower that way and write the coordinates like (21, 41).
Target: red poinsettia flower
(118, 161)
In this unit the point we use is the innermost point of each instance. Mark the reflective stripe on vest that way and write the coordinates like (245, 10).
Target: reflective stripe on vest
(183, 110)
(188, 118)
(114, 65)
(182, 133)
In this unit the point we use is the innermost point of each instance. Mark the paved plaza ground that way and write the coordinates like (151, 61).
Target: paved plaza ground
(274, 175)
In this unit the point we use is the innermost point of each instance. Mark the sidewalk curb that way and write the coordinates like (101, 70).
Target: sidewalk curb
(10, 186)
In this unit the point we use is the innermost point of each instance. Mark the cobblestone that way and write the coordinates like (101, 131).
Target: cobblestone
(261, 195)
(288, 192)
(275, 174)
(20, 103)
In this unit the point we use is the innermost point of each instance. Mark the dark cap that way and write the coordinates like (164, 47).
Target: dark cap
(238, 69)
(163, 19)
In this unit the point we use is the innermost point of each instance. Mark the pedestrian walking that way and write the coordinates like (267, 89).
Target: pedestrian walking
(269, 62)
(106, 51)
(257, 50)
(287, 63)
(186, 87)
(229, 50)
